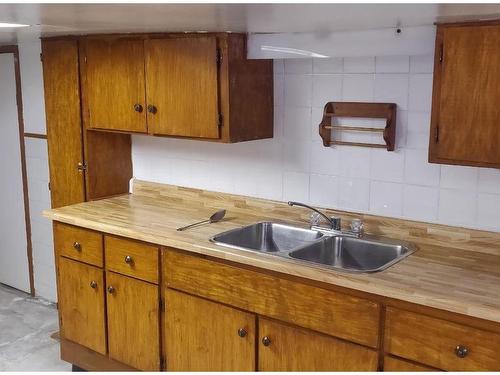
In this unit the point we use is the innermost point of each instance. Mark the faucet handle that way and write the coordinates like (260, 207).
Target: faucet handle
(357, 226)
(314, 219)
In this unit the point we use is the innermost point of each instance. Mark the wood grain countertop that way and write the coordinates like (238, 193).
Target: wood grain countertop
(455, 269)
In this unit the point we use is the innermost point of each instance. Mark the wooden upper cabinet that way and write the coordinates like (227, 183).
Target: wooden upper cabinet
(287, 348)
(64, 128)
(181, 86)
(201, 335)
(81, 304)
(113, 84)
(465, 127)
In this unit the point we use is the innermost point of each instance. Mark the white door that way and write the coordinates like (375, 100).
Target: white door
(13, 243)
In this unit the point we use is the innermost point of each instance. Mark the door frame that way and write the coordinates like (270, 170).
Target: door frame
(19, 100)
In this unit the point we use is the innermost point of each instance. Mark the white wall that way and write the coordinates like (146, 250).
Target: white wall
(295, 166)
(37, 168)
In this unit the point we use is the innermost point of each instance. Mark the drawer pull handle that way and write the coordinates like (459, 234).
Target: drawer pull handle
(242, 332)
(128, 259)
(77, 246)
(266, 341)
(111, 289)
(461, 351)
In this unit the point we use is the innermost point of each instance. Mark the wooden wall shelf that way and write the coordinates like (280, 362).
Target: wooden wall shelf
(385, 111)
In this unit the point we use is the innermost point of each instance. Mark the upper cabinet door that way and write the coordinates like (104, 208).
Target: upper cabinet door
(114, 84)
(466, 110)
(182, 87)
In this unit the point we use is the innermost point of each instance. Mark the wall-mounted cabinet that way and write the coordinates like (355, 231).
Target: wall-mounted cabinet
(198, 86)
(465, 120)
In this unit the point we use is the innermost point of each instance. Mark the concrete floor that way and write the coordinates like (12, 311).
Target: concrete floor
(25, 327)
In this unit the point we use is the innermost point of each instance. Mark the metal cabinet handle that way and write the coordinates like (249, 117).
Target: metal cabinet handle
(266, 341)
(128, 259)
(93, 284)
(461, 351)
(111, 289)
(152, 109)
(242, 332)
(77, 246)
(138, 107)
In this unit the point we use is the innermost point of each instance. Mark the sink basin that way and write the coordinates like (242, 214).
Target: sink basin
(267, 237)
(354, 254)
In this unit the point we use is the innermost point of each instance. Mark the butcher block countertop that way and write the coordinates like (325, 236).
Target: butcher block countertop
(455, 269)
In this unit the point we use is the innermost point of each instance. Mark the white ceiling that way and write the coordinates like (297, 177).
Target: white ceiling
(63, 19)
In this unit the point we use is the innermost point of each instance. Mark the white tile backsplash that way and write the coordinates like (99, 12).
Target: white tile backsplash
(295, 165)
(332, 65)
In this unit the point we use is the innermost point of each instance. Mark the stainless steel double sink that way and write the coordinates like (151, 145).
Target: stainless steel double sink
(338, 251)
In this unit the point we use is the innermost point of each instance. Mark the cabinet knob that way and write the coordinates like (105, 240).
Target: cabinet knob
(93, 284)
(266, 341)
(138, 107)
(77, 246)
(81, 166)
(461, 351)
(111, 289)
(128, 259)
(242, 332)
(152, 109)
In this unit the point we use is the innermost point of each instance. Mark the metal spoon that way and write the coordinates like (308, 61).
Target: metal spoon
(213, 219)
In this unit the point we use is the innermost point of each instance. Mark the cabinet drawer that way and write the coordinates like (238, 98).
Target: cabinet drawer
(132, 258)
(77, 243)
(435, 342)
(337, 314)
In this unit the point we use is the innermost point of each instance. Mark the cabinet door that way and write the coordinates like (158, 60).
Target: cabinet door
(181, 86)
(133, 322)
(286, 348)
(81, 304)
(114, 91)
(467, 91)
(64, 128)
(206, 336)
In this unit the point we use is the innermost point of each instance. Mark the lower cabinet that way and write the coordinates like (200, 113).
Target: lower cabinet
(286, 348)
(81, 304)
(133, 322)
(201, 335)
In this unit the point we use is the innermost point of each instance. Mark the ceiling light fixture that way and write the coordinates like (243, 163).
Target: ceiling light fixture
(10, 25)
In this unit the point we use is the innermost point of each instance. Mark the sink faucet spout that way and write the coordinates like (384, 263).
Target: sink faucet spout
(334, 222)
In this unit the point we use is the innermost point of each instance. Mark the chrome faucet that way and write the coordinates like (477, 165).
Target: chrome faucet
(335, 222)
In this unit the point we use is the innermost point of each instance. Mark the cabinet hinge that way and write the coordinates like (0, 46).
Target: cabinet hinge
(41, 57)
(441, 53)
(163, 363)
(219, 57)
(221, 120)
(162, 305)
(85, 59)
(437, 133)
(81, 166)
(49, 186)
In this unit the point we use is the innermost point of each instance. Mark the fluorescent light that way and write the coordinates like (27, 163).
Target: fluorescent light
(293, 51)
(6, 24)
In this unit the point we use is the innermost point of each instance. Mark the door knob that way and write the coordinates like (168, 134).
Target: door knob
(461, 351)
(138, 107)
(77, 246)
(152, 109)
(266, 341)
(128, 259)
(242, 332)
(93, 284)
(111, 289)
